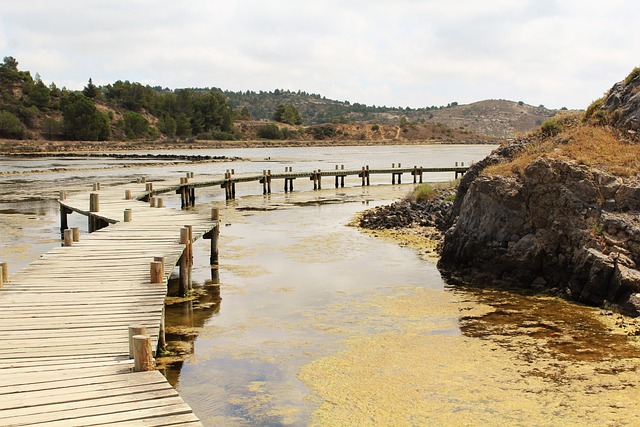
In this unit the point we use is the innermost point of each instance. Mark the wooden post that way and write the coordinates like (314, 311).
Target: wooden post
(127, 215)
(94, 206)
(75, 231)
(142, 353)
(314, 177)
(161, 335)
(161, 260)
(68, 238)
(94, 202)
(215, 216)
(63, 195)
(133, 331)
(362, 174)
(152, 202)
(264, 182)
(269, 181)
(64, 224)
(183, 263)
(337, 177)
(96, 186)
(189, 256)
(128, 195)
(160, 202)
(368, 176)
(319, 180)
(155, 271)
(420, 174)
(4, 270)
(415, 174)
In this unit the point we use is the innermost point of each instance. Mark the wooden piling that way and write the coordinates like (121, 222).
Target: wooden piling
(269, 181)
(128, 215)
(160, 202)
(64, 223)
(133, 331)
(75, 232)
(96, 186)
(142, 353)
(189, 252)
(94, 206)
(183, 283)
(128, 195)
(155, 272)
(4, 276)
(152, 202)
(68, 237)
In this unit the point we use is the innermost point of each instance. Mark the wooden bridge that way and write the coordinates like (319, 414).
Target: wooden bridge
(71, 322)
(189, 184)
(65, 319)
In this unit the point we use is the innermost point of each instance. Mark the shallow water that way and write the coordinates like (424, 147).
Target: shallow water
(317, 323)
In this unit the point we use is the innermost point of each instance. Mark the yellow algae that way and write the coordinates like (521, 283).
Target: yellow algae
(416, 376)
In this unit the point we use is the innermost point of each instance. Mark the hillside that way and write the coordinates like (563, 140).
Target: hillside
(130, 111)
(493, 118)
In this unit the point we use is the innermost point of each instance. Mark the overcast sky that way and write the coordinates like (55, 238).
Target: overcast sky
(416, 53)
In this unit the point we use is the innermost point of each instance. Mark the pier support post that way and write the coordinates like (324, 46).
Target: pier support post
(94, 207)
(64, 223)
(4, 273)
(269, 181)
(128, 214)
(189, 257)
(128, 195)
(215, 253)
(142, 353)
(133, 331)
(183, 285)
(156, 272)
(75, 232)
(68, 238)
(367, 172)
(162, 340)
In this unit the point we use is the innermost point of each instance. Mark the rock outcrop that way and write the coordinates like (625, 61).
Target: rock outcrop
(555, 224)
(559, 226)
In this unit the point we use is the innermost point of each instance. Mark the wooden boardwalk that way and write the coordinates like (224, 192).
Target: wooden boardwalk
(64, 340)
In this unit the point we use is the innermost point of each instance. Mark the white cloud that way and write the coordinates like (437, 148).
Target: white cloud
(400, 53)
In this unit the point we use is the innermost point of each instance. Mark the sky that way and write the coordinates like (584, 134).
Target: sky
(397, 53)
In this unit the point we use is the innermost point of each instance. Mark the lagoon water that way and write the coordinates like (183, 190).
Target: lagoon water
(317, 323)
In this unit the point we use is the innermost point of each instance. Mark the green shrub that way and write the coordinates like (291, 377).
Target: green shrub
(593, 108)
(632, 75)
(10, 126)
(550, 128)
(269, 131)
(424, 193)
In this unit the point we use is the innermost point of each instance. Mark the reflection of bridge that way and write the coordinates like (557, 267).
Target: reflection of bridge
(70, 321)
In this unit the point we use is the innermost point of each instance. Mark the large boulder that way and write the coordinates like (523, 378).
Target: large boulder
(558, 225)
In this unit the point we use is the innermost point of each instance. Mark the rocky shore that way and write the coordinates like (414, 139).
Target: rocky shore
(554, 221)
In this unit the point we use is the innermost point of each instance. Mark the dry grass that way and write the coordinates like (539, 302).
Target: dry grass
(593, 146)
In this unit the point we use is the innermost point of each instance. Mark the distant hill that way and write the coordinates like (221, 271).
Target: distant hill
(494, 118)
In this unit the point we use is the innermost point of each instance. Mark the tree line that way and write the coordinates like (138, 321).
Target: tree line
(130, 110)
